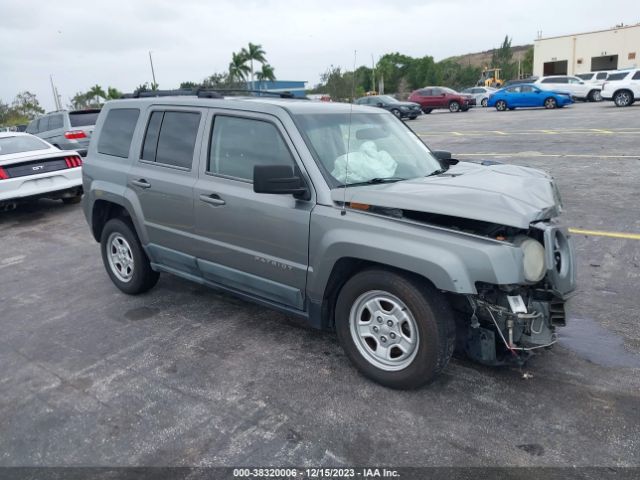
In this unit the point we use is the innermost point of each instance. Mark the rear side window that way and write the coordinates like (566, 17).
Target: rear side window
(239, 144)
(43, 124)
(117, 132)
(585, 76)
(83, 119)
(55, 122)
(617, 76)
(601, 76)
(171, 138)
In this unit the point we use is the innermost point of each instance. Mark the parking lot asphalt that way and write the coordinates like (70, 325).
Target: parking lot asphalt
(184, 375)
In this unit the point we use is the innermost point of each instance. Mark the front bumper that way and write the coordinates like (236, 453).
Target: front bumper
(40, 185)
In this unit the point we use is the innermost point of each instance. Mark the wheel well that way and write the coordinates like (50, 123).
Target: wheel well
(103, 211)
(343, 270)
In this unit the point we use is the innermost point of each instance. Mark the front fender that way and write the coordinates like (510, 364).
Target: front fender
(451, 260)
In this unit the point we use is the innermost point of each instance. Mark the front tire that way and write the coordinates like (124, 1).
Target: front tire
(397, 113)
(454, 107)
(623, 98)
(124, 259)
(396, 330)
(427, 110)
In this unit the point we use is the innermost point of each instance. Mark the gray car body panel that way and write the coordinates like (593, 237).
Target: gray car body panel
(259, 264)
(503, 194)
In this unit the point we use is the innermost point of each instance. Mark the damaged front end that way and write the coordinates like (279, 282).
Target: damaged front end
(504, 324)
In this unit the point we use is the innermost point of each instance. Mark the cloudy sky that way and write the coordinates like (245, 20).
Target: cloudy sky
(107, 42)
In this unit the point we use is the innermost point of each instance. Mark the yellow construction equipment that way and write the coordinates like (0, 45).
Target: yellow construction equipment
(491, 77)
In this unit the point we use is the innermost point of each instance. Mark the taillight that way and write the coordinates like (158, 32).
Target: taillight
(73, 161)
(74, 134)
(3, 174)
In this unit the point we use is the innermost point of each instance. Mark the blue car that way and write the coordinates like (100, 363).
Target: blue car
(527, 95)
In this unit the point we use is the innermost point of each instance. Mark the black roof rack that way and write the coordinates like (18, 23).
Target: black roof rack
(209, 93)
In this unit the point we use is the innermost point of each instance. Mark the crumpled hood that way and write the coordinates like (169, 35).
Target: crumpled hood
(503, 194)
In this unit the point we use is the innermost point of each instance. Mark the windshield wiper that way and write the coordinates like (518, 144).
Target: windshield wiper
(377, 180)
(437, 172)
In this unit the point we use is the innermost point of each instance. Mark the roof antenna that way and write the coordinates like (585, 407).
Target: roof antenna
(346, 167)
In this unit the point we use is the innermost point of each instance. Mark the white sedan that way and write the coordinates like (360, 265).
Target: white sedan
(481, 94)
(31, 168)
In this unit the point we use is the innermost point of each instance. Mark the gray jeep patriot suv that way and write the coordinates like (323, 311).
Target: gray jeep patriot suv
(337, 214)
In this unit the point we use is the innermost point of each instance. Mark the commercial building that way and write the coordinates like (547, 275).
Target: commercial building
(611, 49)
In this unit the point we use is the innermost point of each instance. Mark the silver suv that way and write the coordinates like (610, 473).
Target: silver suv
(67, 130)
(339, 215)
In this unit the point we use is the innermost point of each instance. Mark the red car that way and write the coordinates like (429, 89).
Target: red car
(431, 98)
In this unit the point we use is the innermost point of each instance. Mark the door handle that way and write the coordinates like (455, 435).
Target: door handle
(142, 183)
(213, 199)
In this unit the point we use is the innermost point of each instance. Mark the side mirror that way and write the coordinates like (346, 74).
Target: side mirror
(443, 94)
(280, 180)
(444, 158)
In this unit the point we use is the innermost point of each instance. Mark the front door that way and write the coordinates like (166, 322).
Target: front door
(250, 242)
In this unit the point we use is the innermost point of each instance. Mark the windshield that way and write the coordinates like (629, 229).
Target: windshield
(380, 147)
(388, 99)
(20, 143)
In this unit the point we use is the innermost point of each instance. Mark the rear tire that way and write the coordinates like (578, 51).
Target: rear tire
(484, 102)
(454, 107)
(427, 110)
(550, 103)
(594, 96)
(623, 98)
(397, 330)
(124, 259)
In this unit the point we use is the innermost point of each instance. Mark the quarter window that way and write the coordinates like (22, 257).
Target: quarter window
(117, 132)
(171, 138)
(43, 124)
(636, 76)
(239, 144)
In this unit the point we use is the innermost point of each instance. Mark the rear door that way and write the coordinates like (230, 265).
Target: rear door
(163, 178)
(250, 242)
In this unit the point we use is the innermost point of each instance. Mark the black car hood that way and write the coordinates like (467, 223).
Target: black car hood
(503, 194)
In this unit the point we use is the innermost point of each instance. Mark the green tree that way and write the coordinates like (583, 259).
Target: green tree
(526, 68)
(113, 93)
(266, 74)
(79, 101)
(251, 53)
(96, 93)
(503, 58)
(26, 105)
(238, 68)
(190, 85)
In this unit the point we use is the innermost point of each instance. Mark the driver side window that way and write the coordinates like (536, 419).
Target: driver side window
(239, 144)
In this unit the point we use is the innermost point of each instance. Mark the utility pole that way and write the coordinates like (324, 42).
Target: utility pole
(153, 73)
(56, 97)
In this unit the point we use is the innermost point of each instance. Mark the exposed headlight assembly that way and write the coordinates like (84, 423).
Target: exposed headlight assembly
(532, 258)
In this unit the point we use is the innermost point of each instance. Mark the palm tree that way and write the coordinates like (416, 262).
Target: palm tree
(96, 92)
(266, 74)
(113, 93)
(237, 68)
(254, 52)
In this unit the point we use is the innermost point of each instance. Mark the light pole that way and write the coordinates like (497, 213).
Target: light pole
(153, 73)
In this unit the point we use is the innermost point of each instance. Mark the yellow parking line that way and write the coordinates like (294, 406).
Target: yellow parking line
(597, 233)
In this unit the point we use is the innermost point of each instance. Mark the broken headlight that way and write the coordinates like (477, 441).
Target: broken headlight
(532, 258)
